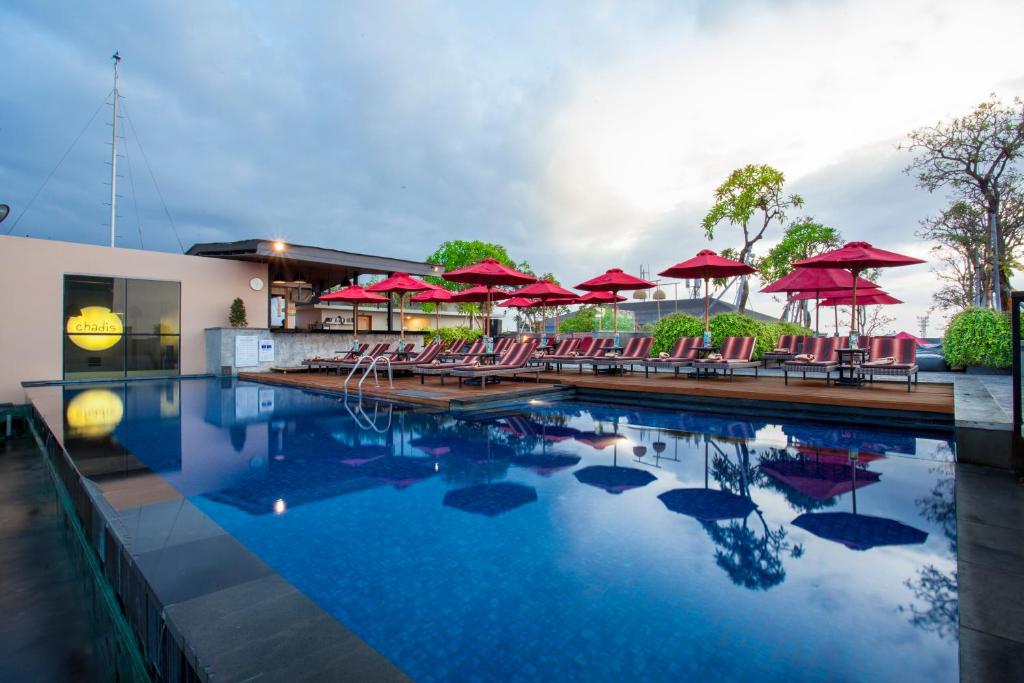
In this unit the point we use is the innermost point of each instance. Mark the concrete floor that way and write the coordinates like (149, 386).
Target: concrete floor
(49, 631)
(990, 568)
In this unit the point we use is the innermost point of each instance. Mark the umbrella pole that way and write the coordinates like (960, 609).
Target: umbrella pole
(817, 311)
(707, 309)
(437, 319)
(487, 314)
(853, 312)
(355, 323)
(401, 315)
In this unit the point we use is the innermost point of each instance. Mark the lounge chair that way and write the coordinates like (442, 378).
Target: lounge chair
(440, 369)
(564, 349)
(683, 354)
(598, 349)
(825, 359)
(512, 364)
(502, 344)
(400, 350)
(893, 357)
(786, 349)
(637, 350)
(322, 362)
(375, 350)
(737, 353)
(425, 357)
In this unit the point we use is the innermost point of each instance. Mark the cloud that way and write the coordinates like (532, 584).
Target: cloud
(581, 136)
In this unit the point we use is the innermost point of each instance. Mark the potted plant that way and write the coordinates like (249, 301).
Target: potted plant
(236, 316)
(978, 340)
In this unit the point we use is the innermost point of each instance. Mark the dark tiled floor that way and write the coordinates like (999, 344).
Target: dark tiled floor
(48, 631)
(990, 543)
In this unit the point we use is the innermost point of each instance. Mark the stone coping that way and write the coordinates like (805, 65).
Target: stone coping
(197, 598)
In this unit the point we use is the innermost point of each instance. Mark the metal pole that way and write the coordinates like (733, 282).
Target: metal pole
(113, 160)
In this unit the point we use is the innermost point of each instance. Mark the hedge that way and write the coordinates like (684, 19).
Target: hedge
(672, 327)
(450, 334)
(978, 336)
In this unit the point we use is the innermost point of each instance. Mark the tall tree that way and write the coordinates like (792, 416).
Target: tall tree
(454, 254)
(975, 153)
(804, 238)
(960, 241)
(752, 194)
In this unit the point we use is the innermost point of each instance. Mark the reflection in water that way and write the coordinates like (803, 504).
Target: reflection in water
(350, 504)
(490, 499)
(936, 589)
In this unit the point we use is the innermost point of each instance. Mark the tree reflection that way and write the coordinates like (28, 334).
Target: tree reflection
(750, 560)
(936, 590)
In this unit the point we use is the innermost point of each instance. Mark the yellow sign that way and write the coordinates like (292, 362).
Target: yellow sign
(94, 412)
(97, 328)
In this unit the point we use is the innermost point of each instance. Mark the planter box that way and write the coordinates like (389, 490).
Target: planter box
(986, 370)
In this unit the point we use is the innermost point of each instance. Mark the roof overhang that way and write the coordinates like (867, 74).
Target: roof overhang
(272, 251)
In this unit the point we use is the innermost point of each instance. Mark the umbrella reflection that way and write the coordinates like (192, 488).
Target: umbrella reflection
(490, 499)
(857, 531)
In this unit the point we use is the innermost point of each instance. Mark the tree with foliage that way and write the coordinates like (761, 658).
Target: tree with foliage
(975, 155)
(752, 194)
(236, 316)
(960, 241)
(454, 254)
(803, 238)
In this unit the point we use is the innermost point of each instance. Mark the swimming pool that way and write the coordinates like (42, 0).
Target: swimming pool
(569, 540)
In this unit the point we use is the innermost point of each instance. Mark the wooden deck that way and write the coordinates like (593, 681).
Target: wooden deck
(409, 390)
(886, 395)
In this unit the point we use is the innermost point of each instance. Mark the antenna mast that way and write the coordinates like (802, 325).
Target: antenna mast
(113, 160)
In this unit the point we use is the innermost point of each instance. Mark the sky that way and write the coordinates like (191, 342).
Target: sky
(581, 136)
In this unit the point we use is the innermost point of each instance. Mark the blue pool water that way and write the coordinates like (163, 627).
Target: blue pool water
(570, 540)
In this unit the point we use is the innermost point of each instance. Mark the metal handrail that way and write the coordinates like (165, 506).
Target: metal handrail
(376, 380)
(370, 423)
(355, 367)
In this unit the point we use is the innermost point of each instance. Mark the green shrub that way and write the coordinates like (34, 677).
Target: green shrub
(672, 327)
(583, 320)
(450, 334)
(978, 336)
(236, 315)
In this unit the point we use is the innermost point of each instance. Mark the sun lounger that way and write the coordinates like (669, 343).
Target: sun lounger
(683, 354)
(825, 361)
(636, 352)
(375, 350)
(323, 362)
(737, 353)
(893, 357)
(598, 348)
(502, 344)
(564, 350)
(786, 349)
(512, 364)
(425, 357)
(440, 369)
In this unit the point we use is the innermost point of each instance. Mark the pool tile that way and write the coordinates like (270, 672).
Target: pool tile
(162, 525)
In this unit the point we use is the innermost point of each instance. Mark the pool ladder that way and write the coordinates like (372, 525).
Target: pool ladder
(364, 421)
(372, 366)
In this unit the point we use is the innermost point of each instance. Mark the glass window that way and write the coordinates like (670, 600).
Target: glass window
(115, 327)
(152, 307)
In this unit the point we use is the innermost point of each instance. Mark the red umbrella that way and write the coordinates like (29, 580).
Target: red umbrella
(918, 340)
(435, 295)
(545, 291)
(857, 257)
(518, 302)
(815, 280)
(489, 272)
(354, 295)
(872, 298)
(479, 294)
(705, 266)
(835, 293)
(403, 283)
(615, 281)
(599, 298)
